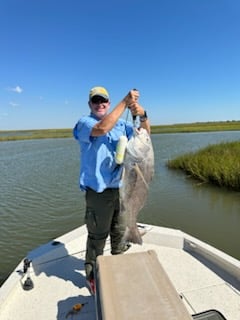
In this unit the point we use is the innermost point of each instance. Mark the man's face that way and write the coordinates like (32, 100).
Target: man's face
(99, 106)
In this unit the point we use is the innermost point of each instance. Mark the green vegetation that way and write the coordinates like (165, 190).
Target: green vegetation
(217, 164)
(35, 134)
(197, 127)
(174, 128)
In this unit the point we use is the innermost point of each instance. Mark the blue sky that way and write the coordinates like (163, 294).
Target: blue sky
(182, 55)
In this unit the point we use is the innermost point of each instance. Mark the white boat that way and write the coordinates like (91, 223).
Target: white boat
(191, 275)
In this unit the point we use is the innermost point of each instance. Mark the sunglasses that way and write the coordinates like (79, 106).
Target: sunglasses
(98, 99)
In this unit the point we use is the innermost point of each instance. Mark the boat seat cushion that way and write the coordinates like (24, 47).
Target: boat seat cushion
(135, 286)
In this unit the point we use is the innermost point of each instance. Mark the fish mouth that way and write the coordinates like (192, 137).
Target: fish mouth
(137, 131)
(141, 132)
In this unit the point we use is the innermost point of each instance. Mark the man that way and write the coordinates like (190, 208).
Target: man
(100, 176)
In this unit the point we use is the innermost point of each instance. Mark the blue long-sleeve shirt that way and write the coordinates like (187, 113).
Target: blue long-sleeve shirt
(98, 169)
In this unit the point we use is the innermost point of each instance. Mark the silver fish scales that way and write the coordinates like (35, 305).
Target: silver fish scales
(138, 172)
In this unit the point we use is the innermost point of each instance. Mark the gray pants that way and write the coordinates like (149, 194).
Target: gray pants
(102, 219)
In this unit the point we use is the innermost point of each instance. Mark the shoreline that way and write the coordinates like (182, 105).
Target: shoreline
(13, 135)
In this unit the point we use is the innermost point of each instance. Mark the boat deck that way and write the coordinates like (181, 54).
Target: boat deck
(57, 271)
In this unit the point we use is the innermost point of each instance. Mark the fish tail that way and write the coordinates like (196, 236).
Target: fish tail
(133, 235)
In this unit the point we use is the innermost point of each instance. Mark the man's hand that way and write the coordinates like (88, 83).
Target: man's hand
(131, 98)
(136, 109)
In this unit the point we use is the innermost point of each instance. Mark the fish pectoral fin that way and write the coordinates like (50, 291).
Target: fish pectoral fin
(139, 172)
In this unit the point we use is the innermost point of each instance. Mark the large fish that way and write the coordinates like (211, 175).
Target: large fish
(138, 172)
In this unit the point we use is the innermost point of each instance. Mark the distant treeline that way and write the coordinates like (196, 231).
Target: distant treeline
(174, 128)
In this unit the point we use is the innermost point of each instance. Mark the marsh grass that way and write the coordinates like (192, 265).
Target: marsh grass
(197, 127)
(217, 164)
(35, 134)
(172, 128)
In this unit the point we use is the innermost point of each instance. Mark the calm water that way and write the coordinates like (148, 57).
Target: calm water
(40, 198)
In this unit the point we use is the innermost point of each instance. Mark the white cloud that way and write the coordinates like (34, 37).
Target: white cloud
(13, 104)
(17, 89)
